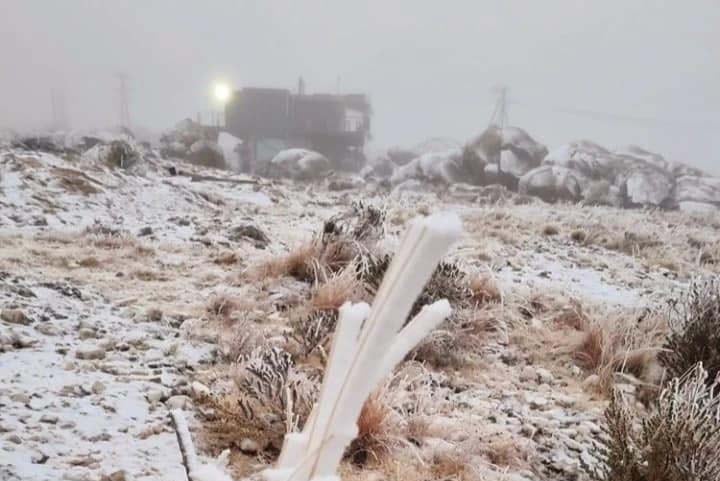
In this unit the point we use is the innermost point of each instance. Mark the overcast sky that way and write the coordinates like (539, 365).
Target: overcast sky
(642, 72)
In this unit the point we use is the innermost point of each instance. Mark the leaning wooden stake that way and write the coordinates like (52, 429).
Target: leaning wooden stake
(368, 344)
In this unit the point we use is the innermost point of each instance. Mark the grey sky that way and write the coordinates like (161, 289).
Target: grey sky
(428, 65)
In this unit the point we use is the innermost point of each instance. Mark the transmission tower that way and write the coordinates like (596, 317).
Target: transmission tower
(499, 118)
(124, 100)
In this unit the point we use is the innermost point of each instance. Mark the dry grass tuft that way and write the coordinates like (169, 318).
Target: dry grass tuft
(373, 439)
(226, 258)
(344, 239)
(621, 344)
(300, 263)
(91, 262)
(550, 230)
(578, 235)
(148, 275)
(221, 305)
(337, 290)
(483, 289)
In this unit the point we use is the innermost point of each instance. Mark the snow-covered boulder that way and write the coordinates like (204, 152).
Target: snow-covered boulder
(647, 185)
(520, 153)
(588, 159)
(456, 165)
(694, 193)
(299, 164)
(553, 183)
(635, 153)
(512, 147)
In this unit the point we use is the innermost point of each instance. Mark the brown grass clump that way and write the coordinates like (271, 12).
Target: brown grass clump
(226, 258)
(300, 263)
(449, 465)
(621, 344)
(372, 441)
(148, 275)
(344, 239)
(90, 262)
(678, 440)
(221, 305)
(550, 230)
(483, 289)
(578, 235)
(337, 290)
(507, 453)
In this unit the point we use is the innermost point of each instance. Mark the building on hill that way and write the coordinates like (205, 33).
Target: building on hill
(270, 120)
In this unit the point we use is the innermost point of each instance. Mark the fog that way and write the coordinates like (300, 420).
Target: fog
(615, 71)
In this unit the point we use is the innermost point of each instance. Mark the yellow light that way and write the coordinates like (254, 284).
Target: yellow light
(222, 92)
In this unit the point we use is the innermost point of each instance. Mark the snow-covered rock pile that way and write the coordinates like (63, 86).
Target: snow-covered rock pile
(580, 171)
(628, 177)
(449, 162)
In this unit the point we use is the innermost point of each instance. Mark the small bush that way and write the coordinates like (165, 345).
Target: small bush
(313, 331)
(678, 441)
(550, 230)
(695, 331)
(221, 305)
(272, 395)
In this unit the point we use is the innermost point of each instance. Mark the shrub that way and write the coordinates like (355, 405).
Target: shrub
(695, 331)
(678, 441)
(272, 394)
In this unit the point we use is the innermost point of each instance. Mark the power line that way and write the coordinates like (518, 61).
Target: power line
(607, 116)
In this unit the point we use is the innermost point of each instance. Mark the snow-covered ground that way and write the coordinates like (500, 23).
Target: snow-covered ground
(106, 274)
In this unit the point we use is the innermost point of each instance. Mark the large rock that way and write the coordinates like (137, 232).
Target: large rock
(647, 185)
(301, 164)
(694, 193)
(402, 156)
(520, 153)
(553, 183)
(507, 154)
(457, 165)
(588, 159)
